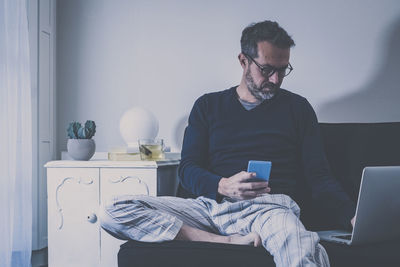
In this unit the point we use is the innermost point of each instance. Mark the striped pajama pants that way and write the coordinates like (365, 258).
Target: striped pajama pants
(274, 217)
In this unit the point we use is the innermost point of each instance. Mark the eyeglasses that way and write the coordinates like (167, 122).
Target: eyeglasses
(268, 70)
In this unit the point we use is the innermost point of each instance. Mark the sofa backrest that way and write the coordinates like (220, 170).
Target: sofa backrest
(352, 146)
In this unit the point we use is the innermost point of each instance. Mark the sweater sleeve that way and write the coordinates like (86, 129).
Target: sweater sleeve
(327, 193)
(193, 172)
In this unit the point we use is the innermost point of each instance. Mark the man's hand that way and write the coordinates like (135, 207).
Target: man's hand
(353, 221)
(238, 186)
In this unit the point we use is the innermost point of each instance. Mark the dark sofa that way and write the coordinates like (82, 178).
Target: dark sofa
(349, 148)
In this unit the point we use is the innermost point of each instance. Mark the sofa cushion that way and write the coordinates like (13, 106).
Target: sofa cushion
(193, 254)
(350, 147)
(379, 254)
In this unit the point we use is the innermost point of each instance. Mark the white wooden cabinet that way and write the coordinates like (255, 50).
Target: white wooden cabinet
(76, 189)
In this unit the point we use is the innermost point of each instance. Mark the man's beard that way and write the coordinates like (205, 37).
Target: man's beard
(260, 92)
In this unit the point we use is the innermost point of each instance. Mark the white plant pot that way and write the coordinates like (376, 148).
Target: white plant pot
(81, 149)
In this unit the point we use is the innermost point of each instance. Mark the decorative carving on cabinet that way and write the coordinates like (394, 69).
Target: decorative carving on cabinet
(122, 179)
(80, 180)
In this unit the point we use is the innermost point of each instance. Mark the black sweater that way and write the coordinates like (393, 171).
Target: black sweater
(222, 137)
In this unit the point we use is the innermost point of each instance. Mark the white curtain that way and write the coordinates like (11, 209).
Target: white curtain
(15, 136)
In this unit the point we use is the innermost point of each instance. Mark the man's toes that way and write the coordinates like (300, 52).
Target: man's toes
(257, 240)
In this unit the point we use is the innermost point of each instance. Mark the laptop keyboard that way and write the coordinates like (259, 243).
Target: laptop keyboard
(347, 237)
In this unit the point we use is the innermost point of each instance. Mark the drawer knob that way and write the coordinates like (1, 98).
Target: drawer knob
(92, 218)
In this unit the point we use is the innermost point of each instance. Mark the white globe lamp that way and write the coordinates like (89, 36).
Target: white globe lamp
(137, 123)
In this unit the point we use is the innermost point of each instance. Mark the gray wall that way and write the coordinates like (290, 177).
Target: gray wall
(162, 55)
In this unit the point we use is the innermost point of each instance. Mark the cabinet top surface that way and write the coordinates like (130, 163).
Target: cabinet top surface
(109, 164)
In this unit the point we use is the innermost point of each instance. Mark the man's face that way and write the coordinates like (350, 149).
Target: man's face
(261, 86)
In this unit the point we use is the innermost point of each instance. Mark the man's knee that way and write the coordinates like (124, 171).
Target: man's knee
(277, 220)
(118, 212)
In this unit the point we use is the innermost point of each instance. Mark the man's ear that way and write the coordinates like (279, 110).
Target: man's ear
(242, 60)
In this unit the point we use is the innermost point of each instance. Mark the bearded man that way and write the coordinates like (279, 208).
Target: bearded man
(256, 120)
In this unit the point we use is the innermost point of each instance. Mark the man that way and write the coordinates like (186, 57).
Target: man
(256, 120)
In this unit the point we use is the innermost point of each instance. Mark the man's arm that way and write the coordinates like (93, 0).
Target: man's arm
(194, 156)
(326, 190)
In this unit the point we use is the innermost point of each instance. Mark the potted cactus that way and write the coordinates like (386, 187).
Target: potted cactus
(80, 144)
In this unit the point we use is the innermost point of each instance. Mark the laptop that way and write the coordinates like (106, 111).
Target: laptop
(378, 209)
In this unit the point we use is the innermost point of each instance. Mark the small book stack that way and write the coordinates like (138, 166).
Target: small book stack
(124, 154)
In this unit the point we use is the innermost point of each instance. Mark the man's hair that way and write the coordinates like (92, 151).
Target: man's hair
(269, 31)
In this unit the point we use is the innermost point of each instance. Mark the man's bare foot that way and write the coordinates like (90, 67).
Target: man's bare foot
(250, 239)
(193, 234)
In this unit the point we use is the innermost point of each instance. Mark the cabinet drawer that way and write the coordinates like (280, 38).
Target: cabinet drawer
(73, 196)
(116, 181)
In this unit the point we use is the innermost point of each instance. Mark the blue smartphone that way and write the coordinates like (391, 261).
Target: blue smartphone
(261, 168)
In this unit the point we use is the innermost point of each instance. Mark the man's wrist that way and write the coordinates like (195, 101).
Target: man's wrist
(220, 189)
